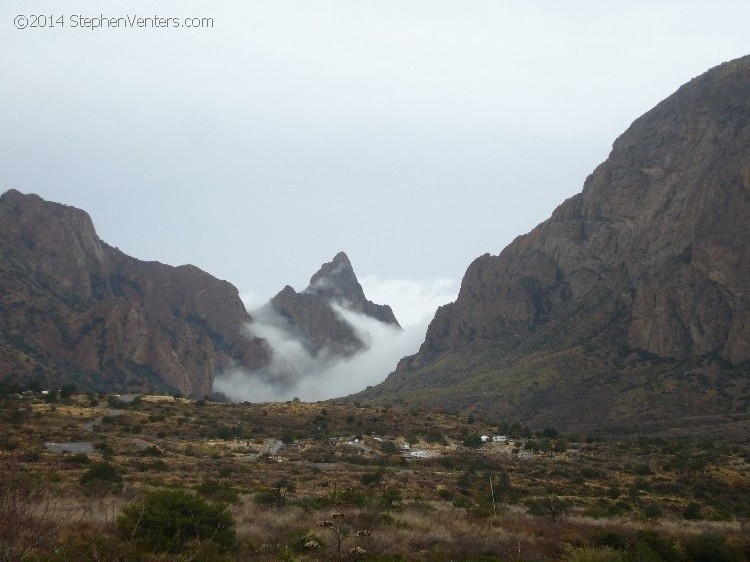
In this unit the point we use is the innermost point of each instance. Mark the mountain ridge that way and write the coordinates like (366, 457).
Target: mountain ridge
(647, 267)
(75, 309)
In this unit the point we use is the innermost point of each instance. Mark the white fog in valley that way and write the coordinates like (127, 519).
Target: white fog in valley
(296, 372)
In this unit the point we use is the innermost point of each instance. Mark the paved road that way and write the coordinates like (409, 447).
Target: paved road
(70, 447)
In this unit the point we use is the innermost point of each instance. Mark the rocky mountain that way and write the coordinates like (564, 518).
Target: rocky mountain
(73, 309)
(310, 316)
(630, 305)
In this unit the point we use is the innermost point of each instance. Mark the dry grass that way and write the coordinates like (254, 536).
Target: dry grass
(442, 509)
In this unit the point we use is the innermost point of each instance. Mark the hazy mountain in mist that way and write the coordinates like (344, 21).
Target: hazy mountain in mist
(325, 341)
(312, 318)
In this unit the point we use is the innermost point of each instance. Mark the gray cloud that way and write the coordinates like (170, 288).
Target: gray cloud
(416, 134)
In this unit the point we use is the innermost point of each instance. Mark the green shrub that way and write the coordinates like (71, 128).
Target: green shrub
(68, 391)
(288, 436)
(352, 496)
(601, 508)
(310, 503)
(446, 494)
(692, 511)
(462, 502)
(550, 432)
(388, 447)
(9, 443)
(473, 440)
(78, 458)
(225, 433)
(619, 507)
(269, 496)
(641, 552)
(30, 456)
(277, 495)
(169, 520)
(711, 548)
(391, 497)
(639, 485)
(588, 472)
(115, 402)
(372, 477)
(218, 491)
(612, 540)
(650, 545)
(652, 511)
(101, 478)
(553, 507)
(152, 451)
(157, 464)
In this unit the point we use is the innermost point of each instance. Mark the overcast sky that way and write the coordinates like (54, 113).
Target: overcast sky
(414, 135)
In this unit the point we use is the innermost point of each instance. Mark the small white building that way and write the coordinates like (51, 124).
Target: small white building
(419, 454)
(485, 438)
(499, 438)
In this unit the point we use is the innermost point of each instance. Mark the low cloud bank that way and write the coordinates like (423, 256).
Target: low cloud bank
(414, 301)
(297, 372)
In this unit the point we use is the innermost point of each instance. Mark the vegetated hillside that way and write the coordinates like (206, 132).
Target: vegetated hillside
(310, 317)
(630, 305)
(71, 465)
(73, 309)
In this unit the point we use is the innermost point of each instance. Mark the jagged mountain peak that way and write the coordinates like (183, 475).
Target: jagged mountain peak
(311, 314)
(336, 280)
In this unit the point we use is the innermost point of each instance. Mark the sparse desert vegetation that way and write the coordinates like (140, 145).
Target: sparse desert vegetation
(89, 477)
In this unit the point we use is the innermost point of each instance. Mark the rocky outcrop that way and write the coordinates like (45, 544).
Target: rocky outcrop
(662, 227)
(650, 262)
(310, 316)
(74, 309)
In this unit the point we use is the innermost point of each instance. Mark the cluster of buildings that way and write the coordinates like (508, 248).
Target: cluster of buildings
(495, 439)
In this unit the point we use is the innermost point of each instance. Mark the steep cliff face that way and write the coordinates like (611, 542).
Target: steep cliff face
(75, 309)
(650, 262)
(310, 316)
